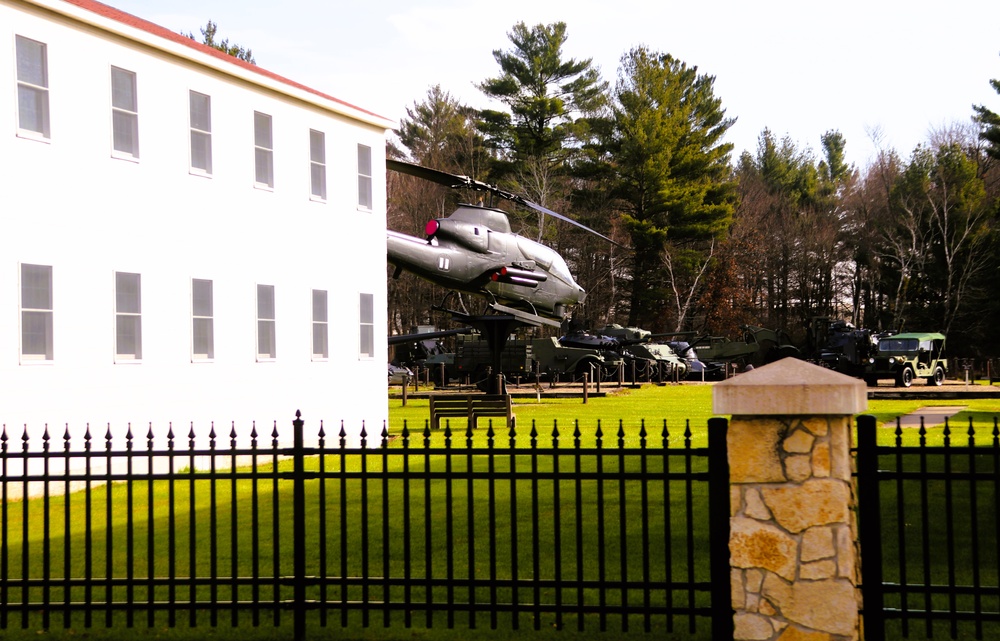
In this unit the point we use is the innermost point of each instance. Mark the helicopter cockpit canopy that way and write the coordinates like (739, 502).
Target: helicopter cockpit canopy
(547, 258)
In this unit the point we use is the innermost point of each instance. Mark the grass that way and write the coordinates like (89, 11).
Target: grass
(677, 407)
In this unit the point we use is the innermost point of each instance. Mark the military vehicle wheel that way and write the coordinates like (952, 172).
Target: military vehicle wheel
(871, 381)
(905, 377)
(937, 378)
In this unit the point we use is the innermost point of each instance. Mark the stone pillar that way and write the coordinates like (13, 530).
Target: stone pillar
(793, 533)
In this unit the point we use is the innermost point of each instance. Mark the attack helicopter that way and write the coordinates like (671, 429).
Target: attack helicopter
(474, 250)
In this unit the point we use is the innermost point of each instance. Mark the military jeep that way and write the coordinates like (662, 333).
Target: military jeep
(904, 357)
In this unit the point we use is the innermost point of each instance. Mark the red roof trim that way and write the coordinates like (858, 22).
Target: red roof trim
(132, 21)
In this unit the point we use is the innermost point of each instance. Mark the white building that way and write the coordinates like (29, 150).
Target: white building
(184, 237)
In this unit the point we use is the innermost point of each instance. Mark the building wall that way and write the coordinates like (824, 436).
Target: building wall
(69, 203)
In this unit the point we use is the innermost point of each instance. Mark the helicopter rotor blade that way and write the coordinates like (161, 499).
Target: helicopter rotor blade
(549, 212)
(426, 173)
(455, 181)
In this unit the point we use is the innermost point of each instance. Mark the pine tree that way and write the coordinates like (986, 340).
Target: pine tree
(672, 180)
(545, 95)
(549, 103)
(208, 33)
(990, 122)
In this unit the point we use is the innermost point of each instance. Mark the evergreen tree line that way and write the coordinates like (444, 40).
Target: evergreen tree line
(771, 238)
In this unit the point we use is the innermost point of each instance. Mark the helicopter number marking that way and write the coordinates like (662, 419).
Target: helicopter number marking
(444, 263)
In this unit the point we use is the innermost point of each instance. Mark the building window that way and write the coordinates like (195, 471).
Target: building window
(201, 132)
(32, 86)
(263, 150)
(364, 177)
(265, 323)
(128, 317)
(321, 335)
(36, 312)
(367, 338)
(317, 164)
(124, 113)
(202, 320)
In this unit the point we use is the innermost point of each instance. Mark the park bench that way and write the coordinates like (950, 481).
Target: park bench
(472, 406)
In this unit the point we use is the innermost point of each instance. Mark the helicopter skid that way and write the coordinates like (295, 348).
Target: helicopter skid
(525, 317)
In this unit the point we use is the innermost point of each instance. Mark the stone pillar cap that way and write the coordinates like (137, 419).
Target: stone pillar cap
(790, 386)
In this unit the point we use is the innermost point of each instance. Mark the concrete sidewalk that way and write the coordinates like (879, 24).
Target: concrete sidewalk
(933, 416)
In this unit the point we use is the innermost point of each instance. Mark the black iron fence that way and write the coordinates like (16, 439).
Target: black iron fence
(928, 525)
(425, 529)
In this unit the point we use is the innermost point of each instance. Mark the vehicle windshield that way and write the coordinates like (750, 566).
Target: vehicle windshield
(897, 345)
(560, 268)
(548, 258)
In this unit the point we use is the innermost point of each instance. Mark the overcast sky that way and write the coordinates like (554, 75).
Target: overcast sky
(797, 67)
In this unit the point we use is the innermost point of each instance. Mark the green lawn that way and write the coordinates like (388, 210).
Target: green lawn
(675, 405)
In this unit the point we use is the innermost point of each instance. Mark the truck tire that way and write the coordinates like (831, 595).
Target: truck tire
(905, 377)
(937, 378)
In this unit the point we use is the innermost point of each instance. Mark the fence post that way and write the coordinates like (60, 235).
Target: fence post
(870, 531)
(793, 550)
(718, 529)
(299, 528)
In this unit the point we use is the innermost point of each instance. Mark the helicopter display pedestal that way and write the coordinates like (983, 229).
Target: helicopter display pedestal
(496, 329)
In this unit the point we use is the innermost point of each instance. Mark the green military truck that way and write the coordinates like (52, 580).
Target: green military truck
(473, 358)
(908, 356)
